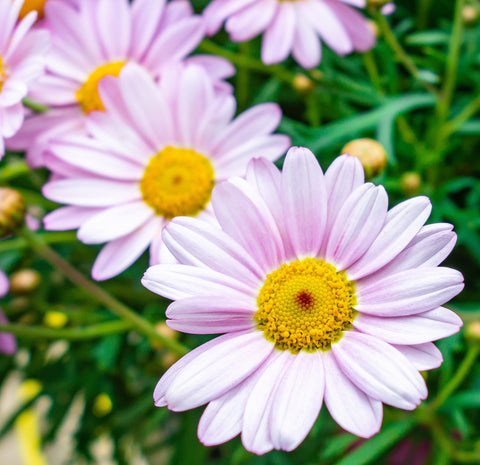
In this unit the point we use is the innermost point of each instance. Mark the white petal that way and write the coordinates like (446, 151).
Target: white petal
(422, 356)
(349, 406)
(217, 370)
(414, 329)
(379, 370)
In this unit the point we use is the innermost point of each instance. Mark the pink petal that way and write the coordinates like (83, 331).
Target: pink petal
(402, 224)
(217, 11)
(350, 407)
(65, 218)
(304, 200)
(379, 370)
(306, 49)
(422, 356)
(217, 370)
(409, 292)
(297, 400)
(414, 329)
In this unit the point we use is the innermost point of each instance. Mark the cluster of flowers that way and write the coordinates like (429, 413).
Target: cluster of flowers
(322, 292)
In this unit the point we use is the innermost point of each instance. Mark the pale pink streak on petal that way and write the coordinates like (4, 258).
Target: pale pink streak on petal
(307, 48)
(414, 329)
(65, 218)
(304, 201)
(379, 370)
(214, 372)
(216, 12)
(349, 406)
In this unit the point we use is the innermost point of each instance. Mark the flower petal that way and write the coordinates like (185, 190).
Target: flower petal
(409, 292)
(414, 329)
(422, 356)
(402, 224)
(217, 370)
(379, 370)
(304, 200)
(297, 401)
(349, 406)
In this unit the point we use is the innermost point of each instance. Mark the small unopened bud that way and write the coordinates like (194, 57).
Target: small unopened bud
(372, 25)
(102, 405)
(371, 154)
(303, 84)
(410, 183)
(24, 282)
(12, 211)
(165, 331)
(470, 15)
(472, 331)
(55, 319)
(168, 359)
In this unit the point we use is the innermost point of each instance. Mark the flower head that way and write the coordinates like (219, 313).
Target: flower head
(21, 61)
(294, 26)
(155, 153)
(324, 294)
(92, 39)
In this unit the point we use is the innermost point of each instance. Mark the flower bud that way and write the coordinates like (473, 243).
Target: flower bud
(55, 319)
(303, 84)
(102, 405)
(472, 331)
(371, 154)
(470, 15)
(24, 282)
(12, 211)
(410, 183)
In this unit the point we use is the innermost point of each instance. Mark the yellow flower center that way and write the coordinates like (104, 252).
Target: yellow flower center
(87, 95)
(32, 5)
(177, 182)
(305, 305)
(3, 74)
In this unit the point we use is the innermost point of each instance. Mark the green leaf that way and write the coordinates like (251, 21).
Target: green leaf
(375, 446)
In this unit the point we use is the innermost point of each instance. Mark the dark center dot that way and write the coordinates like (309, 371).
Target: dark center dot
(305, 299)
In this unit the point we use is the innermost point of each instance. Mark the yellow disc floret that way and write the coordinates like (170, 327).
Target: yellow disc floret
(305, 305)
(32, 5)
(177, 182)
(87, 95)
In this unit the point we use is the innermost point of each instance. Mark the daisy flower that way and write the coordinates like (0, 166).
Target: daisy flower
(155, 153)
(21, 61)
(92, 39)
(296, 27)
(324, 294)
(8, 343)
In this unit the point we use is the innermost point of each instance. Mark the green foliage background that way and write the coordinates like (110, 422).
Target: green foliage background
(418, 93)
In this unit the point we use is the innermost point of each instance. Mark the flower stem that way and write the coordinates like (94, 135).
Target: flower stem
(116, 307)
(89, 332)
(19, 243)
(456, 381)
(35, 106)
(402, 55)
(14, 170)
(469, 110)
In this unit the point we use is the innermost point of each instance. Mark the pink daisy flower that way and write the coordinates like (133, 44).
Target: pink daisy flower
(87, 46)
(324, 294)
(8, 343)
(155, 153)
(21, 61)
(294, 27)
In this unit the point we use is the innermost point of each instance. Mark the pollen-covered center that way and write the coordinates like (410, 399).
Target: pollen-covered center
(177, 182)
(32, 5)
(88, 96)
(305, 305)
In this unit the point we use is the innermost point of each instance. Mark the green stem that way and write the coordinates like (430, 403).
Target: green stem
(116, 307)
(372, 70)
(402, 55)
(14, 170)
(243, 78)
(74, 334)
(19, 243)
(451, 68)
(469, 110)
(456, 381)
(243, 61)
(422, 13)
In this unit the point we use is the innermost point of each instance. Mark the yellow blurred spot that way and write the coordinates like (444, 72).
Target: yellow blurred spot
(55, 319)
(32, 5)
(102, 405)
(26, 426)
